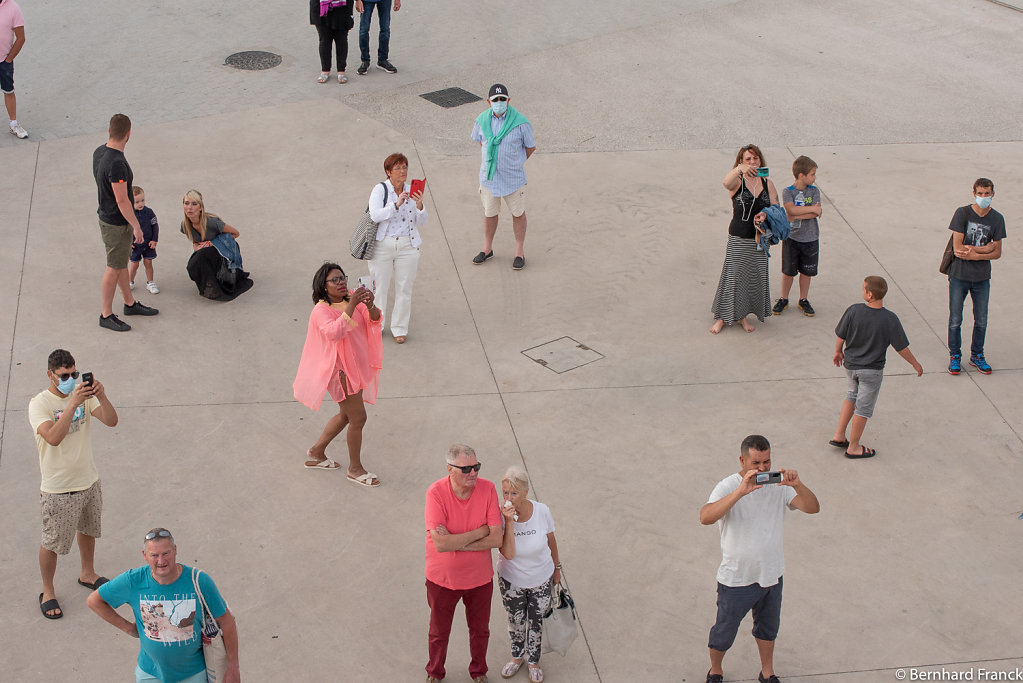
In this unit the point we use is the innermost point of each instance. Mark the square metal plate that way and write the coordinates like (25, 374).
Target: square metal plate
(450, 97)
(562, 355)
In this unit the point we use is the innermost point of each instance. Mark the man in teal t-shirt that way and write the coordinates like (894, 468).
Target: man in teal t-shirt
(168, 615)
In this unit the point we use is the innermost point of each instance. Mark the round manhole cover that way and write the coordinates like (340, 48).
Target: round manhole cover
(253, 60)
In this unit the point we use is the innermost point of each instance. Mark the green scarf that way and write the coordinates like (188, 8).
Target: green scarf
(512, 119)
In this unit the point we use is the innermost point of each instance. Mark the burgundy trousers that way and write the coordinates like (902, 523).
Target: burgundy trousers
(442, 603)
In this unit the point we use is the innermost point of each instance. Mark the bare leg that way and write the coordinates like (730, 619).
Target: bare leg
(519, 228)
(786, 285)
(12, 111)
(122, 283)
(133, 269)
(355, 410)
(87, 550)
(148, 263)
(844, 415)
(717, 326)
(716, 658)
(47, 568)
(855, 434)
(804, 286)
(489, 230)
(333, 428)
(108, 285)
(766, 648)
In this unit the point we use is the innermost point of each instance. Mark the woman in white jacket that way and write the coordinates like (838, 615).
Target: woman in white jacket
(398, 214)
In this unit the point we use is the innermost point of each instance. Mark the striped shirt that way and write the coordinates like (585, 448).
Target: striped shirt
(510, 174)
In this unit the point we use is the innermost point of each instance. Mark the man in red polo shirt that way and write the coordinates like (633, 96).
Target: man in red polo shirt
(463, 524)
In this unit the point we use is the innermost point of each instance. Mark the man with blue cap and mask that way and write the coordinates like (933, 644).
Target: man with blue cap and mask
(70, 497)
(506, 140)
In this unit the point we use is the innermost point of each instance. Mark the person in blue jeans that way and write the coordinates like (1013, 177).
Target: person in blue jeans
(383, 45)
(978, 231)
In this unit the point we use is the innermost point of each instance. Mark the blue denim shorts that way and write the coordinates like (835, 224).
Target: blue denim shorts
(734, 603)
(863, 388)
(6, 76)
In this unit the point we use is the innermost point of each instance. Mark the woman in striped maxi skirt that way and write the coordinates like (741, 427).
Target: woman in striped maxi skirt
(744, 286)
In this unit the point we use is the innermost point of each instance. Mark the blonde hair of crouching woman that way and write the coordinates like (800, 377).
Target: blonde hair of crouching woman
(527, 568)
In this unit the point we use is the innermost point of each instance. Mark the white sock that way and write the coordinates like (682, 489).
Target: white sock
(14, 122)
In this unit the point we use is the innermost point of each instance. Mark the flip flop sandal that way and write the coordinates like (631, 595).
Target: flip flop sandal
(865, 453)
(325, 464)
(93, 586)
(365, 479)
(839, 444)
(322, 78)
(511, 668)
(50, 605)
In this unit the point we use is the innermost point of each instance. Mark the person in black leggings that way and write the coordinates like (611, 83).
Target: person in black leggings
(333, 20)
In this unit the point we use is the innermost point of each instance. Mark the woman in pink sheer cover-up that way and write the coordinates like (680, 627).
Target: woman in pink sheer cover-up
(342, 357)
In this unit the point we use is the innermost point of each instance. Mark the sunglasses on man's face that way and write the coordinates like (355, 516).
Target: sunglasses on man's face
(466, 469)
(160, 533)
(67, 375)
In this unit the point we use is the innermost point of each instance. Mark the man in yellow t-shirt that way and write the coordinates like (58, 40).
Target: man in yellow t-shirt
(70, 498)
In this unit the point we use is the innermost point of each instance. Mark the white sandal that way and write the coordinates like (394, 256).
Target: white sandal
(323, 77)
(325, 464)
(511, 668)
(341, 78)
(365, 479)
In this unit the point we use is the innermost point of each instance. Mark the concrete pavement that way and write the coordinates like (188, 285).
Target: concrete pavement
(911, 562)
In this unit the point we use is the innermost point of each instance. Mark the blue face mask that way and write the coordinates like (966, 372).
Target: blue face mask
(983, 202)
(66, 386)
(499, 107)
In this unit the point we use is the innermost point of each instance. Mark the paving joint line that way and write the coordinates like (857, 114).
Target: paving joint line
(17, 305)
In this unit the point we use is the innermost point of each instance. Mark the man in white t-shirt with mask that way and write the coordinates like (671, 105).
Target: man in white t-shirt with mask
(751, 519)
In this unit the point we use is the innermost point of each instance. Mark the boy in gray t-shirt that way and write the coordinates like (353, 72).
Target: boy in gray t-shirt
(863, 336)
(799, 252)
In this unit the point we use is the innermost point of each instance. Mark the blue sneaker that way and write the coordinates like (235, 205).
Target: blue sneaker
(955, 364)
(981, 364)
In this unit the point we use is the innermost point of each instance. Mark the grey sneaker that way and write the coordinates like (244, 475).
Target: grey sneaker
(19, 131)
(363, 68)
(386, 66)
(112, 322)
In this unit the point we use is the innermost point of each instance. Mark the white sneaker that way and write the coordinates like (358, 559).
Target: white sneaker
(131, 286)
(19, 131)
(153, 289)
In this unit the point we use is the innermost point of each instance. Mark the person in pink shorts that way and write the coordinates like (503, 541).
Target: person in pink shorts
(342, 356)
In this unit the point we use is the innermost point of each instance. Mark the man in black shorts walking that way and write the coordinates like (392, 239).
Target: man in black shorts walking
(117, 223)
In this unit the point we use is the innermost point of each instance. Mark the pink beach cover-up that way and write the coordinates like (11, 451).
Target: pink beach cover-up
(336, 342)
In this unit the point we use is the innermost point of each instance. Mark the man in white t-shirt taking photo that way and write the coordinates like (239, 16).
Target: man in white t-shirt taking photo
(751, 519)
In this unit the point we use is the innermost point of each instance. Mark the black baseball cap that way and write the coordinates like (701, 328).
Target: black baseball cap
(498, 89)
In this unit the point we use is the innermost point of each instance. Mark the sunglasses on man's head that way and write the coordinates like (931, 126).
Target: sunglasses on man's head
(66, 375)
(466, 469)
(158, 533)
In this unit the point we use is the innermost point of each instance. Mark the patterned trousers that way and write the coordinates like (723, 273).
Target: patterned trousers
(525, 607)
